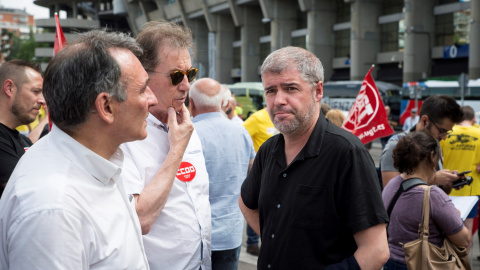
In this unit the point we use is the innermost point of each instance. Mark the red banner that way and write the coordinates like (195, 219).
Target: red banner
(367, 118)
(59, 43)
(60, 40)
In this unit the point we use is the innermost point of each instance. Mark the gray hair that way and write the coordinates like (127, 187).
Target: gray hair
(226, 95)
(203, 100)
(302, 60)
(156, 35)
(81, 71)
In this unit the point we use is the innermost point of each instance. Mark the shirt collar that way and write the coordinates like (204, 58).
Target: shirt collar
(204, 116)
(100, 168)
(154, 122)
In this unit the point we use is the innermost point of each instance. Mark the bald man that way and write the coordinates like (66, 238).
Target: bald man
(229, 154)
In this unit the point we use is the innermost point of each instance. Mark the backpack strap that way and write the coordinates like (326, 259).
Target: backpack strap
(405, 186)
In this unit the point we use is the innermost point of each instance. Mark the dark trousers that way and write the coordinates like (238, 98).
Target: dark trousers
(225, 259)
(394, 265)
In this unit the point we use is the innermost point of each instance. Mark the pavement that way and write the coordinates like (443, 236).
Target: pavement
(249, 262)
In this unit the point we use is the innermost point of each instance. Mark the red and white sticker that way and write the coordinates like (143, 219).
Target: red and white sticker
(186, 172)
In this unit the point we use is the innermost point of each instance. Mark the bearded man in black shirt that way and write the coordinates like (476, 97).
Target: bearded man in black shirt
(312, 193)
(20, 100)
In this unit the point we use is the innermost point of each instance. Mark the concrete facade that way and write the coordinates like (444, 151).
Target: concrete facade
(226, 30)
(474, 52)
(419, 35)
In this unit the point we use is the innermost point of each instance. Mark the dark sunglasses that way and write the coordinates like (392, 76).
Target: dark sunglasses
(176, 77)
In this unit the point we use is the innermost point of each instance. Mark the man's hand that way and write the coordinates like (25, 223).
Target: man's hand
(180, 128)
(445, 178)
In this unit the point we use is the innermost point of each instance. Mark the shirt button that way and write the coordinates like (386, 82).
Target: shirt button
(269, 266)
(278, 205)
(284, 175)
(273, 235)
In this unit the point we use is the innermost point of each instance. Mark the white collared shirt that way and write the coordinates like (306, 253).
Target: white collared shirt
(180, 237)
(65, 207)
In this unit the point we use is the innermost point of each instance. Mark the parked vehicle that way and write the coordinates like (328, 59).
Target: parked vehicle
(342, 94)
(249, 96)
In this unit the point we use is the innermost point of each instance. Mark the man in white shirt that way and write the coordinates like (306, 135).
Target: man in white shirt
(166, 172)
(229, 154)
(65, 205)
(411, 121)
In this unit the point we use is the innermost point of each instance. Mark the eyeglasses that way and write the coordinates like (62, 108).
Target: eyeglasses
(176, 77)
(441, 131)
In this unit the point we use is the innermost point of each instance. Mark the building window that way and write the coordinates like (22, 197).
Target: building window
(301, 19)
(452, 28)
(237, 57)
(264, 51)
(342, 12)
(342, 43)
(300, 42)
(392, 36)
(392, 6)
(238, 33)
(443, 2)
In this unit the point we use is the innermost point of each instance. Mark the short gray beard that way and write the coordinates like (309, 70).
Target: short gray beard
(297, 125)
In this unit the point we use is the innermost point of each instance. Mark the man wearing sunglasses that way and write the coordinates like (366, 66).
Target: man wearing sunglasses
(438, 114)
(166, 173)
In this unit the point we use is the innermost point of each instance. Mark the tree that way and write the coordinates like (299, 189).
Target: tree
(22, 49)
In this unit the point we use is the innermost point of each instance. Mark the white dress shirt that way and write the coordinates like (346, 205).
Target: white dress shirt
(180, 237)
(65, 208)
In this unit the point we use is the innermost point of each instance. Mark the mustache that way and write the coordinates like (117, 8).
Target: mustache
(283, 109)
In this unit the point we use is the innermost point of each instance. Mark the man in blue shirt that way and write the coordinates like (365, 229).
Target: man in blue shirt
(229, 154)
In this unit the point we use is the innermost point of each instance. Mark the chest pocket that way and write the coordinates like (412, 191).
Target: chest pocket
(310, 207)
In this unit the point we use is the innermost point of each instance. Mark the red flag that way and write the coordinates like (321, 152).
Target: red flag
(367, 118)
(58, 45)
(60, 40)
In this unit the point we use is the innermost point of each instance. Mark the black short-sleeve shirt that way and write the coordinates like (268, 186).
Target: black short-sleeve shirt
(12, 147)
(310, 209)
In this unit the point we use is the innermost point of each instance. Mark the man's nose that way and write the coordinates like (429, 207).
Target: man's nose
(152, 100)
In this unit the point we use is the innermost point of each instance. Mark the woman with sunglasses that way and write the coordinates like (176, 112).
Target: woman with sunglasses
(416, 156)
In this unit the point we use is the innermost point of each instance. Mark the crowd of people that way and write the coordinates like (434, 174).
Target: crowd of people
(130, 178)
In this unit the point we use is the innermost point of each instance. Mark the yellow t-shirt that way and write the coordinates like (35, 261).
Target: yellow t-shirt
(461, 151)
(260, 128)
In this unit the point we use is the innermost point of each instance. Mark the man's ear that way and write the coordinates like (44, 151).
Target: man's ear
(9, 88)
(424, 120)
(191, 104)
(104, 107)
(318, 91)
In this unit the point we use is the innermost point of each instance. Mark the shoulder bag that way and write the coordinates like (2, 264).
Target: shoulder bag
(421, 254)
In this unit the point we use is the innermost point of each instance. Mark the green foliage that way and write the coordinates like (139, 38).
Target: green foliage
(22, 49)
